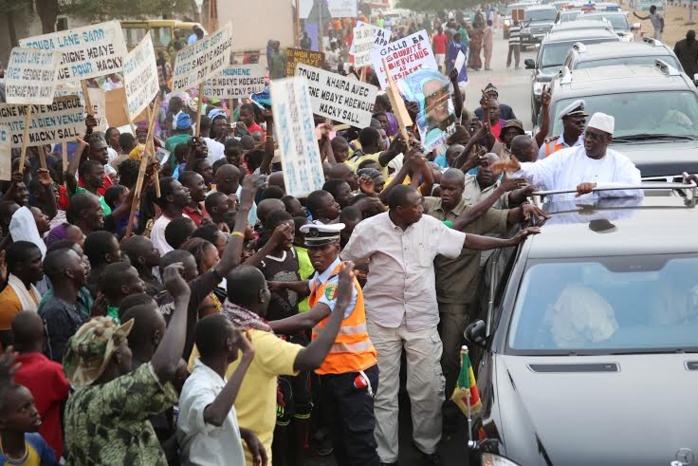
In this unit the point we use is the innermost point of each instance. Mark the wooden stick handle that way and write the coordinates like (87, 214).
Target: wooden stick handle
(198, 109)
(86, 96)
(25, 137)
(64, 157)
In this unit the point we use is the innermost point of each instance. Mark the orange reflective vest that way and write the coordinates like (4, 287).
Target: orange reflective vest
(352, 350)
(553, 146)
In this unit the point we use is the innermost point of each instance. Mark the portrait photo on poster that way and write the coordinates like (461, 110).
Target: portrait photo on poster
(431, 91)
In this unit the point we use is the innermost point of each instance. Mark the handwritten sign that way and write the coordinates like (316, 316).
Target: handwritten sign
(99, 107)
(236, 81)
(403, 57)
(343, 8)
(338, 98)
(88, 52)
(366, 38)
(30, 77)
(205, 58)
(295, 133)
(5, 154)
(140, 77)
(295, 56)
(63, 120)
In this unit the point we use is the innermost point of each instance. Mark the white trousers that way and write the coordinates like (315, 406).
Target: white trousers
(425, 386)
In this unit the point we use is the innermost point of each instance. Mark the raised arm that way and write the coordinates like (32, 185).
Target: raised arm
(478, 242)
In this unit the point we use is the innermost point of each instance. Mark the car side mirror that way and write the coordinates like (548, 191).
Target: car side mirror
(530, 64)
(635, 27)
(476, 333)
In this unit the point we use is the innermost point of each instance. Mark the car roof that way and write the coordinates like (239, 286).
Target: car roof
(618, 79)
(540, 7)
(621, 49)
(604, 13)
(617, 226)
(572, 35)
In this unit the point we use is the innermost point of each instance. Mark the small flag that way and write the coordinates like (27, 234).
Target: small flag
(466, 388)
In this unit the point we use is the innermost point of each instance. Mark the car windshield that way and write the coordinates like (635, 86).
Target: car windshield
(673, 113)
(619, 22)
(569, 16)
(554, 54)
(540, 15)
(607, 304)
(646, 60)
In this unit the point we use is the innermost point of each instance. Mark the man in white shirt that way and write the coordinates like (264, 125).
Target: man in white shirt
(586, 167)
(207, 428)
(402, 312)
(216, 150)
(174, 198)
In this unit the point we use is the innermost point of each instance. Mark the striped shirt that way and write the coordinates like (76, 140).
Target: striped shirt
(514, 35)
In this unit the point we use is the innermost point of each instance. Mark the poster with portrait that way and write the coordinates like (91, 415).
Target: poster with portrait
(432, 92)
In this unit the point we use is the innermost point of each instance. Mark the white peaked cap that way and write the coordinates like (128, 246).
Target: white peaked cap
(602, 122)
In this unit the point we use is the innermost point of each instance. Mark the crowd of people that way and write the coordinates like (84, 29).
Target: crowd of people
(229, 321)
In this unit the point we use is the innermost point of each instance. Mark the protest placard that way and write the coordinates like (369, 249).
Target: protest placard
(140, 77)
(295, 134)
(62, 120)
(295, 56)
(366, 38)
(5, 154)
(236, 81)
(337, 97)
(343, 8)
(203, 59)
(30, 77)
(431, 91)
(403, 57)
(99, 107)
(88, 52)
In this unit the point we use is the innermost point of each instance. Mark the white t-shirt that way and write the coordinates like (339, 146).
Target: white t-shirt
(216, 151)
(157, 234)
(202, 443)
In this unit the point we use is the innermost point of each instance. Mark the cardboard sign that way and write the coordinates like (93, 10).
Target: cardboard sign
(236, 81)
(366, 38)
(403, 57)
(343, 8)
(431, 91)
(99, 107)
(30, 77)
(295, 56)
(460, 61)
(63, 120)
(338, 98)
(295, 133)
(5, 154)
(205, 58)
(88, 52)
(141, 77)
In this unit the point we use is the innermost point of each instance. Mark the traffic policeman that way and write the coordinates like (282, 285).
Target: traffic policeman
(573, 123)
(349, 374)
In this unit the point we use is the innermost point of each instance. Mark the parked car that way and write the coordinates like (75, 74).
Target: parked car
(645, 52)
(655, 109)
(513, 11)
(590, 348)
(551, 56)
(580, 24)
(538, 21)
(565, 16)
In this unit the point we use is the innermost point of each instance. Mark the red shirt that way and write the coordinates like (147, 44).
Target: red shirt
(440, 43)
(107, 184)
(255, 128)
(196, 215)
(46, 381)
(497, 129)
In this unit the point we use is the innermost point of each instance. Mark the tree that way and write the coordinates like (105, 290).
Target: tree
(101, 10)
(14, 10)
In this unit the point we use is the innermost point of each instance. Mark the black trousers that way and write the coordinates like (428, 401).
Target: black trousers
(352, 419)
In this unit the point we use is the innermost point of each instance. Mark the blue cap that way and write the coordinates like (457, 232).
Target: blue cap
(183, 121)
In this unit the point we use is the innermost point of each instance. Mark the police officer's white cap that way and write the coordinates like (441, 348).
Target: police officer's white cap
(575, 109)
(319, 234)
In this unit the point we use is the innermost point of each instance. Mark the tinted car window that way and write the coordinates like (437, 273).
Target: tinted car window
(608, 303)
(667, 112)
(619, 22)
(540, 15)
(554, 54)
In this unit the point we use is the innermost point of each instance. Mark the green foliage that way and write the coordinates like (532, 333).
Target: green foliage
(102, 10)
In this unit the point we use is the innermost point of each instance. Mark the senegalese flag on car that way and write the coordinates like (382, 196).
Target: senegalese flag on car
(466, 387)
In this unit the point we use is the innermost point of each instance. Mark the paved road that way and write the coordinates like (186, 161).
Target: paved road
(514, 85)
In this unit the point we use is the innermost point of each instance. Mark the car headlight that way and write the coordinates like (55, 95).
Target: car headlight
(538, 88)
(490, 459)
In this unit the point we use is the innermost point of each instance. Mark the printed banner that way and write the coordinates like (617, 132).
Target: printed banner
(5, 154)
(403, 57)
(343, 8)
(366, 38)
(88, 52)
(341, 99)
(205, 58)
(140, 77)
(295, 56)
(63, 120)
(236, 81)
(30, 77)
(431, 91)
(295, 133)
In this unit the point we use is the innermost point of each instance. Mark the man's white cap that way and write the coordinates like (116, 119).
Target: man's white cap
(319, 234)
(603, 122)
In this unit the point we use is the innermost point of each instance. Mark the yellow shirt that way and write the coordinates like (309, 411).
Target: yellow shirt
(355, 163)
(10, 306)
(256, 401)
